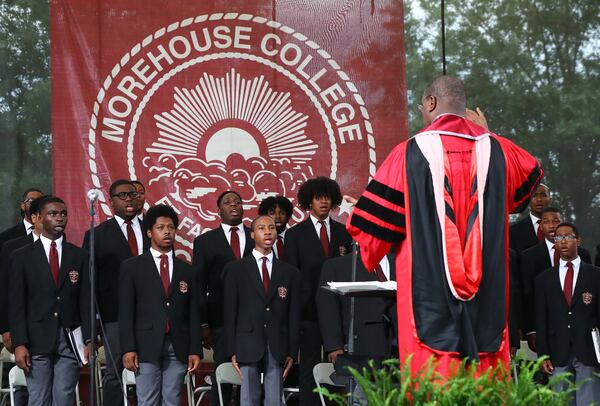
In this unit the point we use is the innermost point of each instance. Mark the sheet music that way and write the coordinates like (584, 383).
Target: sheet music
(347, 287)
(77, 344)
(596, 340)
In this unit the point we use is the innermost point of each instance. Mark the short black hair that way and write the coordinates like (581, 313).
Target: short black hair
(43, 201)
(34, 207)
(118, 183)
(160, 210)
(258, 218)
(137, 182)
(271, 202)
(448, 87)
(552, 209)
(321, 186)
(567, 224)
(29, 190)
(222, 195)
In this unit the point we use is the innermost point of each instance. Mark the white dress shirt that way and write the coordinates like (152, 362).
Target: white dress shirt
(259, 261)
(315, 222)
(46, 243)
(385, 267)
(562, 272)
(550, 247)
(28, 226)
(137, 230)
(240, 232)
(282, 236)
(534, 221)
(156, 255)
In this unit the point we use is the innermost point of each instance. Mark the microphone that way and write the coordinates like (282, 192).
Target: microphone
(92, 195)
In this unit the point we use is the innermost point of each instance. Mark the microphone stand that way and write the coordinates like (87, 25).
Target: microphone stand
(350, 347)
(92, 274)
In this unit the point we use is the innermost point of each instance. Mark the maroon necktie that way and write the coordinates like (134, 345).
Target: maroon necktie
(540, 234)
(323, 238)
(280, 247)
(54, 262)
(164, 278)
(131, 240)
(235, 242)
(568, 286)
(265, 275)
(380, 275)
(556, 256)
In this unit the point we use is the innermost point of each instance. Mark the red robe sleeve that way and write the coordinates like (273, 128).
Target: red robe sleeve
(378, 220)
(523, 175)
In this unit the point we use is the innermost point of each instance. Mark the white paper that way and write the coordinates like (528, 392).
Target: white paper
(374, 286)
(77, 344)
(596, 339)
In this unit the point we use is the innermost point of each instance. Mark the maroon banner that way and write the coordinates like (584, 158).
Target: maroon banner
(194, 98)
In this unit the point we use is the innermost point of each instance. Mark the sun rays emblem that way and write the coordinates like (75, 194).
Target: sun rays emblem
(230, 132)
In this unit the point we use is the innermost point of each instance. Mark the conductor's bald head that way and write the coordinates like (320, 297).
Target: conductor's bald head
(446, 94)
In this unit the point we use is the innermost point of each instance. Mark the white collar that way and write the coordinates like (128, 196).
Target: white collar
(157, 254)
(315, 220)
(259, 255)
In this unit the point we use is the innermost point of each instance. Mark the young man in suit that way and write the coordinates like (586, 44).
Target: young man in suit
(280, 209)
(25, 226)
(526, 232)
(568, 308)
(212, 251)
(141, 190)
(262, 317)
(374, 327)
(536, 260)
(308, 245)
(159, 315)
(115, 240)
(5, 266)
(49, 295)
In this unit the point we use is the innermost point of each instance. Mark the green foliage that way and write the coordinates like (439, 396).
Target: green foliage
(533, 66)
(393, 385)
(24, 102)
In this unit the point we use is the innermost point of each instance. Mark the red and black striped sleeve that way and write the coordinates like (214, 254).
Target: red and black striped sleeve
(523, 175)
(378, 220)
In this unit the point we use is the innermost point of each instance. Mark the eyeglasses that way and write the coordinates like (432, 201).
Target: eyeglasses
(123, 195)
(559, 238)
(28, 201)
(420, 108)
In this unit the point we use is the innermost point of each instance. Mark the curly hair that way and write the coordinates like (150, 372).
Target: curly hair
(271, 202)
(320, 186)
(160, 210)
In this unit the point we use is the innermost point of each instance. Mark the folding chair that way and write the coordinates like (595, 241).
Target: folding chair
(5, 358)
(226, 373)
(128, 379)
(322, 375)
(16, 377)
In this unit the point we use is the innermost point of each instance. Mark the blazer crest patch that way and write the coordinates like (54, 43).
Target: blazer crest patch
(587, 298)
(282, 292)
(183, 286)
(73, 276)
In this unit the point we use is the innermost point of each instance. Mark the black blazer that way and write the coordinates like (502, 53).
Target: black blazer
(563, 331)
(533, 262)
(253, 319)
(303, 250)
(211, 253)
(111, 248)
(522, 235)
(144, 309)
(7, 249)
(516, 300)
(37, 307)
(16, 231)
(373, 316)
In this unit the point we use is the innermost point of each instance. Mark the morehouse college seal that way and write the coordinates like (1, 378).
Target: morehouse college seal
(227, 101)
